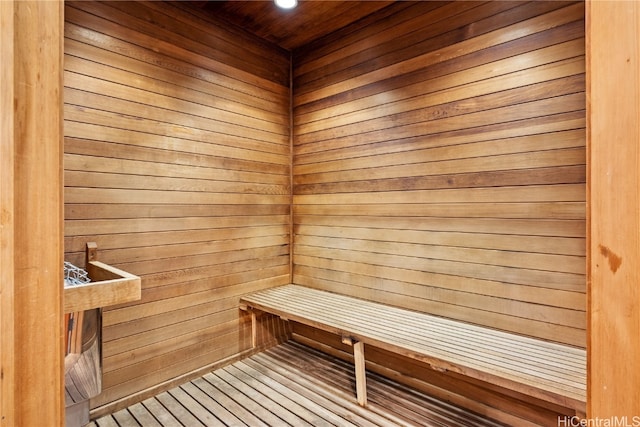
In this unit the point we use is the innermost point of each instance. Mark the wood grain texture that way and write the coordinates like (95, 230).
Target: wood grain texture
(455, 126)
(31, 349)
(177, 166)
(7, 201)
(614, 202)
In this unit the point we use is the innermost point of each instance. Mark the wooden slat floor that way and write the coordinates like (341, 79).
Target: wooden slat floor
(289, 385)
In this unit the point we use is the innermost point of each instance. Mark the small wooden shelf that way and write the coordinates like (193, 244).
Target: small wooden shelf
(108, 286)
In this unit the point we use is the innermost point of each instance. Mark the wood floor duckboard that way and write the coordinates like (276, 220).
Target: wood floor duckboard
(290, 385)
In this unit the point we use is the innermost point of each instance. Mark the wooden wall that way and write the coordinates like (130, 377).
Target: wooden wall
(439, 163)
(177, 163)
(616, 398)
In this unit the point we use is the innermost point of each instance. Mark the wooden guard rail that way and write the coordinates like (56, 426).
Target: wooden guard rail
(549, 371)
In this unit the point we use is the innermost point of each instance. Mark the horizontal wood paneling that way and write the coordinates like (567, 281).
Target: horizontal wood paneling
(177, 163)
(439, 164)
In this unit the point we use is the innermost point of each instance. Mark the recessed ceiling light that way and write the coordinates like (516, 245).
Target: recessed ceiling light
(286, 4)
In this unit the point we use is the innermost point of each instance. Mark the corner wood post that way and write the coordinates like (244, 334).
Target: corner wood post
(360, 371)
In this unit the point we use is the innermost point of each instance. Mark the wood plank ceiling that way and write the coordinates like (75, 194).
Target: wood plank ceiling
(291, 29)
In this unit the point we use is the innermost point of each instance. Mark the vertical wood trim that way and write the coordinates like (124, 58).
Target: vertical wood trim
(6, 215)
(291, 159)
(613, 80)
(31, 343)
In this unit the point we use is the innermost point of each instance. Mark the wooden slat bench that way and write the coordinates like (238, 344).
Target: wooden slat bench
(549, 371)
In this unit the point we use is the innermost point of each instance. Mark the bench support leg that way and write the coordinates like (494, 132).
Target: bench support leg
(254, 324)
(361, 377)
(254, 329)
